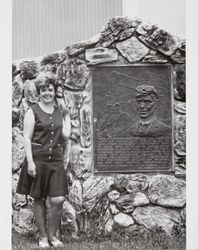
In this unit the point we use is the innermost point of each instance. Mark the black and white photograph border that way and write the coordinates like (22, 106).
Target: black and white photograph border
(6, 123)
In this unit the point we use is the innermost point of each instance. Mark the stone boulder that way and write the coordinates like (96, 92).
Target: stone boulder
(132, 49)
(123, 220)
(126, 203)
(100, 55)
(24, 221)
(154, 217)
(18, 153)
(17, 90)
(167, 191)
(94, 188)
(75, 194)
(80, 161)
(113, 195)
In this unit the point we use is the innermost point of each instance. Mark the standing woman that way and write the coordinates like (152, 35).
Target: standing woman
(43, 175)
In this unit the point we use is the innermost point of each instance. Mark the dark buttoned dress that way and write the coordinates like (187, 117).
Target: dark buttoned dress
(47, 152)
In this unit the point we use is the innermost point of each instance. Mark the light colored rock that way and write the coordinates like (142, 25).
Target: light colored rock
(85, 118)
(30, 92)
(15, 178)
(123, 220)
(100, 55)
(168, 191)
(113, 195)
(80, 161)
(153, 217)
(18, 153)
(132, 49)
(94, 188)
(24, 221)
(140, 199)
(69, 213)
(180, 107)
(109, 225)
(114, 210)
(75, 194)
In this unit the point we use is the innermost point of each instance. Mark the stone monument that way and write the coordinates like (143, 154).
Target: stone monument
(125, 89)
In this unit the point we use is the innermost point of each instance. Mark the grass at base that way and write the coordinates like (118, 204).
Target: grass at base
(21, 242)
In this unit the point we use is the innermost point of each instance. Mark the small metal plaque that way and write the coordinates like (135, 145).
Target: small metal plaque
(132, 118)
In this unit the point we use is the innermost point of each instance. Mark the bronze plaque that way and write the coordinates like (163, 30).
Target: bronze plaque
(132, 118)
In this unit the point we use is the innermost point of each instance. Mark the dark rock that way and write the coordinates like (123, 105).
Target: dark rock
(18, 201)
(54, 58)
(146, 28)
(132, 183)
(180, 135)
(73, 74)
(155, 217)
(100, 215)
(15, 116)
(126, 203)
(78, 48)
(28, 70)
(100, 55)
(118, 29)
(167, 191)
(154, 57)
(180, 83)
(17, 90)
(23, 221)
(75, 194)
(132, 49)
(160, 40)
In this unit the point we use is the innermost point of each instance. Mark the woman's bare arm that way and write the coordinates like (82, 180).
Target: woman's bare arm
(29, 123)
(66, 131)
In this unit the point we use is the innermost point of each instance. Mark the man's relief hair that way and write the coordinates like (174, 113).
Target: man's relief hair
(145, 90)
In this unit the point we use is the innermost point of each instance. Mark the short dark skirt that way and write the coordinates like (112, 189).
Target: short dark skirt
(50, 180)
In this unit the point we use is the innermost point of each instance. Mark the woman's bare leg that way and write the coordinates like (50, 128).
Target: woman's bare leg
(54, 216)
(40, 216)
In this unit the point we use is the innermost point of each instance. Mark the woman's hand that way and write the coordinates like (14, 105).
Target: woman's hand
(32, 169)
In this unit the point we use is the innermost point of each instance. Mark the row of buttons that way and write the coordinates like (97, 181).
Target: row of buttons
(52, 132)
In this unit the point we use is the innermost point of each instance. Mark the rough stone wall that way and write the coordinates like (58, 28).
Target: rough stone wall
(133, 201)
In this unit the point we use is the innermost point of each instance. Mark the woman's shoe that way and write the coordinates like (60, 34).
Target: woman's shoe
(56, 243)
(43, 244)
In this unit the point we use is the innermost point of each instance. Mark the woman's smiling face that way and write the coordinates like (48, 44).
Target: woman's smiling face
(47, 94)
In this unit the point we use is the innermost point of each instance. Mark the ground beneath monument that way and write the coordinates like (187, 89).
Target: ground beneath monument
(151, 241)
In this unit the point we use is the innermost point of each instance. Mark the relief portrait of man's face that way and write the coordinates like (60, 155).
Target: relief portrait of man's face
(145, 106)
